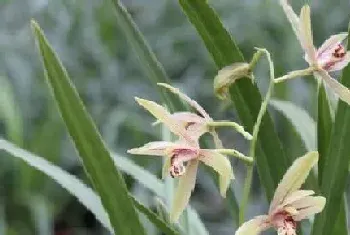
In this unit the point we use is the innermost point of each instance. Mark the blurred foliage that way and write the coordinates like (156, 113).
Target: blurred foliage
(108, 76)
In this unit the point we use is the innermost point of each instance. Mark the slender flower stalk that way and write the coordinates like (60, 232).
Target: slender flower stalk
(256, 128)
(234, 125)
(289, 204)
(236, 154)
(331, 56)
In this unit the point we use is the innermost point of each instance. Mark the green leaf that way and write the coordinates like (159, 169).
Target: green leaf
(148, 61)
(97, 162)
(271, 160)
(301, 121)
(324, 129)
(77, 188)
(335, 168)
(73, 185)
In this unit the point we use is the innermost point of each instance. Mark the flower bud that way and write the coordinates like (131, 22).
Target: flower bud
(227, 76)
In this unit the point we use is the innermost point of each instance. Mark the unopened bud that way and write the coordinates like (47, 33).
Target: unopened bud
(227, 76)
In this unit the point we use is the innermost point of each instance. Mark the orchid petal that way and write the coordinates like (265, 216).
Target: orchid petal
(295, 196)
(305, 37)
(292, 17)
(157, 148)
(293, 178)
(331, 42)
(164, 116)
(342, 91)
(190, 101)
(308, 206)
(221, 165)
(341, 64)
(184, 190)
(254, 226)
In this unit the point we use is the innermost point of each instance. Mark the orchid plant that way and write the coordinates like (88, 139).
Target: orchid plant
(289, 204)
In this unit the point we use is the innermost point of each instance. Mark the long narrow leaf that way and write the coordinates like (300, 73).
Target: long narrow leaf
(335, 169)
(73, 185)
(271, 160)
(324, 129)
(97, 162)
(77, 188)
(301, 121)
(151, 66)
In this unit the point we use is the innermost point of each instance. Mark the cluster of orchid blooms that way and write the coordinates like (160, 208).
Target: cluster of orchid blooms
(289, 204)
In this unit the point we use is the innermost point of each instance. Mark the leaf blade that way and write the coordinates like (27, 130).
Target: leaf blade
(88, 142)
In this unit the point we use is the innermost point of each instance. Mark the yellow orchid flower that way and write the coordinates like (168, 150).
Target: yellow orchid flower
(331, 56)
(289, 204)
(180, 153)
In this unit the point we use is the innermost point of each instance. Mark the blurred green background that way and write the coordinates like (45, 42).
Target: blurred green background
(108, 76)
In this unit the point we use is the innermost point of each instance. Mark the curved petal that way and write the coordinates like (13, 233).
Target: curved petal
(295, 196)
(184, 190)
(187, 99)
(306, 39)
(341, 64)
(293, 178)
(308, 206)
(157, 148)
(254, 226)
(160, 113)
(331, 43)
(292, 17)
(342, 91)
(221, 165)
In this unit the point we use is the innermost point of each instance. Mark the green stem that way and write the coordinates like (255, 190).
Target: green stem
(256, 128)
(234, 125)
(236, 154)
(295, 74)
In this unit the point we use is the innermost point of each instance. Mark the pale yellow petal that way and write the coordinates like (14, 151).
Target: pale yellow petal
(293, 178)
(184, 190)
(292, 17)
(157, 148)
(306, 39)
(308, 206)
(295, 196)
(221, 165)
(254, 226)
(160, 113)
(340, 90)
(187, 99)
(332, 42)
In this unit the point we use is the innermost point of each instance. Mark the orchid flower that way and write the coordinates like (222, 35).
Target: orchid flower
(177, 155)
(331, 56)
(201, 123)
(289, 204)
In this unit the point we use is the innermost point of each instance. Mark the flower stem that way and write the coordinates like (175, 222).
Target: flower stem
(295, 74)
(256, 128)
(234, 125)
(236, 154)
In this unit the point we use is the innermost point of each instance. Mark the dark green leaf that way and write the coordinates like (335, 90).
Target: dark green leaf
(324, 129)
(96, 159)
(271, 160)
(335, 168)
